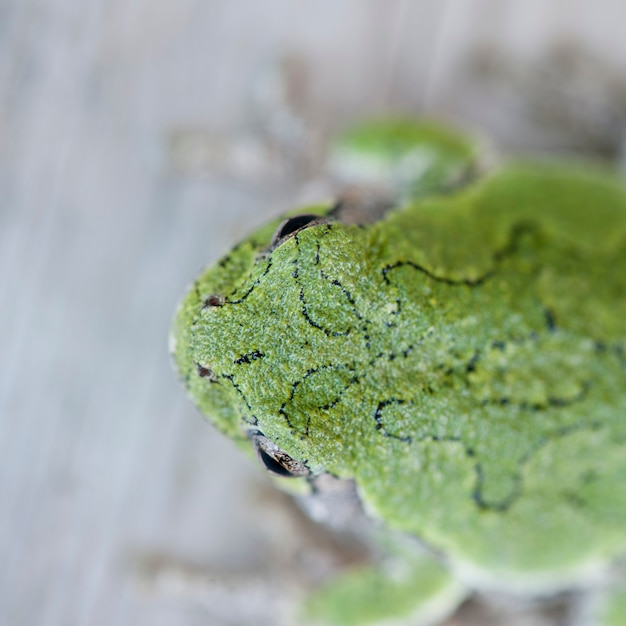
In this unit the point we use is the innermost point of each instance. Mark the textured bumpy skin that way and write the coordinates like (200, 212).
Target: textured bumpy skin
(462, 359)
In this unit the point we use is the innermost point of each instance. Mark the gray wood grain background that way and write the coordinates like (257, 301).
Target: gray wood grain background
(138, 141)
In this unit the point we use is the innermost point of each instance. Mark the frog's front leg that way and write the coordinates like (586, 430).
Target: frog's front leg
(407, 585)
(398, 581)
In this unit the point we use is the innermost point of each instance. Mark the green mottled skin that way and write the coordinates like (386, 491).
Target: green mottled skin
(462, 359)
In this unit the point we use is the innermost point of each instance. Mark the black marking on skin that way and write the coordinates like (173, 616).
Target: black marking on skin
(252, 286)
(516, 231)
(223, 262)
(335, 282)
(284, 415)
(236, 387)
(448, 439)
(392, 356)
(470, 366)
(325, 407)
(405, 353)
(477, 493)
(500, 345)
(551, 324)
(313, 323)
(505, 504)
(378, 418)
(469, 282)
(579, 397)
(248, 357)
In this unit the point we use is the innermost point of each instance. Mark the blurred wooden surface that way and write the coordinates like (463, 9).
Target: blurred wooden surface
(138, 141)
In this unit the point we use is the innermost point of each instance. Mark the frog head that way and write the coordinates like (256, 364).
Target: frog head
(272, 340)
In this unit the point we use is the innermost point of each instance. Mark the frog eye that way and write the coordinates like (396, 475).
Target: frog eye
(275, 460)
(291, 226)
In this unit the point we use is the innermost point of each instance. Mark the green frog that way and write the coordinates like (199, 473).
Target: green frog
(446, 348)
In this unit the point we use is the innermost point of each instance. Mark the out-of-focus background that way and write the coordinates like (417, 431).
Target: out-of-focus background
(139, 140)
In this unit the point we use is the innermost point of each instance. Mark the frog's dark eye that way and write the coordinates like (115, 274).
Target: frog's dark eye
(275, 460)
(291, 226)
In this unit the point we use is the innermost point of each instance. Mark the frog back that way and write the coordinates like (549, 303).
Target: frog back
(505, 435)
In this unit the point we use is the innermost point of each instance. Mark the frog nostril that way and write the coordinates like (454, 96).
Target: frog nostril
(214, 300)
(206, 372)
